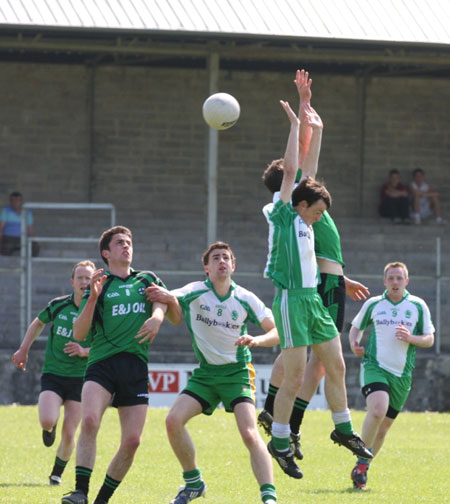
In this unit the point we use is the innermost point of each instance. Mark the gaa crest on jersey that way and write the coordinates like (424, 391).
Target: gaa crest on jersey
(408, 314)
(141, 291)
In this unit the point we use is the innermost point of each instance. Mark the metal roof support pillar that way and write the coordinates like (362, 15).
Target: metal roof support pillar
(213, 144)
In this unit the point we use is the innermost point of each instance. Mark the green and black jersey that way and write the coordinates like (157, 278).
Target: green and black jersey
(62, 311)
(120, 312)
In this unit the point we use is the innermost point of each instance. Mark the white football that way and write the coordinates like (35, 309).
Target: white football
(221, 111)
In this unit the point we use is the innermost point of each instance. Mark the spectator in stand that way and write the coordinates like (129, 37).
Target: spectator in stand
(10, 226)
(394, 200)
(425, 199)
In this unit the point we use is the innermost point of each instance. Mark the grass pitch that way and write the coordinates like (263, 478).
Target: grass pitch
(412, 468)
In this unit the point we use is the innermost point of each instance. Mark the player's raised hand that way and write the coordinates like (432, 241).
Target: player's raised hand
(96, 283)
(289, 112)
(311, 117)
(303, 84)
(20, 359)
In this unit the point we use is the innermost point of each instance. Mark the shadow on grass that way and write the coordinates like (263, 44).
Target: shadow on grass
(346, 491)
(2, 485)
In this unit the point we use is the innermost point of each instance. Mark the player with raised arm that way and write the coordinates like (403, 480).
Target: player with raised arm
(400, 323)
(300, 316)
(124, 323)
(217, 312)
(64, 367)
(333, 284)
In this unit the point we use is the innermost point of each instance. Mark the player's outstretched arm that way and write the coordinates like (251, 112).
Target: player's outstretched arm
(311, 162)
(303, 85)
(20, 357)
(83, 322)
(354, 338)
(156, 293)
(291, 155)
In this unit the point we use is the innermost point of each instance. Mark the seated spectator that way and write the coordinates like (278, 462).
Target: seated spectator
(394, 200)
(425, 200)
(10, 226)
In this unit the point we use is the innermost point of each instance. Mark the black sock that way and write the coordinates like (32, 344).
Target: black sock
(297, 415)
(82, 477)
(107, 489)
(270, 398)
(59, 467)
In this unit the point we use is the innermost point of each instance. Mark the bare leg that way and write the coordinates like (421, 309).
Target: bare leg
(381, 434)
(315, 371)
(94, 401)
(259, 456)
(294, 364)
(377, 406)
(48, 407)
(184, 408)
(132, 421)
(72, 416)
(330, 353)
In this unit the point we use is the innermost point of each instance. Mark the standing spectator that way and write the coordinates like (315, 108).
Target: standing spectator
(425, 199)
(394, 200)
(10, 226)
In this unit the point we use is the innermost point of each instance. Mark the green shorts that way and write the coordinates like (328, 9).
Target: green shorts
(372, 378)
(230, 384)
(301, 318)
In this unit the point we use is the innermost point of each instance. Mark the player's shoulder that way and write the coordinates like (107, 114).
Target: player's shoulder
(244, 294)
(415, 299)
(197, 286)
(60, 300)
(372, 301)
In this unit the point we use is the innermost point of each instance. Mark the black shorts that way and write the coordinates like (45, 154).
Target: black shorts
(67, 387)
(332, 291)
(124, 375)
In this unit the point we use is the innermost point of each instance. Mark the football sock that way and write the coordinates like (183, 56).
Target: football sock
(280, 436)
(107, 489)
(365, 461)
(268, 492)
(59, 467)
(193, 479)
(82, 477)
(297, 415)
(343, 421)
(270, 398)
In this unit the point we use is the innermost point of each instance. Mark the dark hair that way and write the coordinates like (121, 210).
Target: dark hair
(15, 194)
(418, 170)
(310, 190)
(214, 246)
(106, 237)
(273, 175)
(394, 172)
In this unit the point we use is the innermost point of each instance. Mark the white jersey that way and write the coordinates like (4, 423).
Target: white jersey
(425, 209)
(291, 261)
(216, 322)
(383, 348)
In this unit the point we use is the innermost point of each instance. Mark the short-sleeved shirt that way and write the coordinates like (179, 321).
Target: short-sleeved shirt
(216, 322)
(62, 311)
(291, 261)
(120, 312)
(383, 348)
(425, 209)
(13, 221)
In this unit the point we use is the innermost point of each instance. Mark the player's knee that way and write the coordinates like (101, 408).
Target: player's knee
(131, 443)
(90, 423)
(173, 423)
(47, 423)
(250, 437)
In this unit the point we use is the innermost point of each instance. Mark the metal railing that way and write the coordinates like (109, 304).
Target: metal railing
(26, 259)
